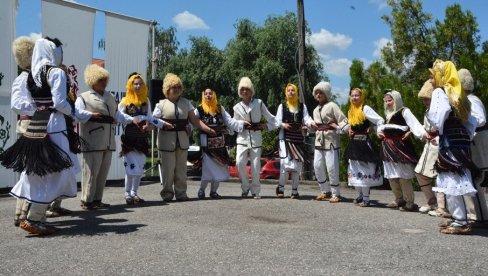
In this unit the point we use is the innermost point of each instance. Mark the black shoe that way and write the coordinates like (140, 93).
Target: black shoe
(280, 193)
(88, 205)
(100, 204)
(245, 194)
(358, 200)
(201, 194)
(295, 196)
(214, 195)
(129, 200)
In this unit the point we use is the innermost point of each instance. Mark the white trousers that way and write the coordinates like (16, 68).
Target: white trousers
(326, 166)
(243, 153)
(295, 177)
(132, 184)
(457, 208)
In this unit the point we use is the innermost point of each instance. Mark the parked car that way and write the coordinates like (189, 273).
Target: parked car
(270, 169)
(193, 166)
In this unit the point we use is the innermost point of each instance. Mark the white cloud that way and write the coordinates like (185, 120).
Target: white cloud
(188, 21)
(381, 4)
(336, 66)
(342, 94)
(380, 44)
(326, 42)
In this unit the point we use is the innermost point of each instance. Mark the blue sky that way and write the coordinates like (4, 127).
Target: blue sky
(341, 30)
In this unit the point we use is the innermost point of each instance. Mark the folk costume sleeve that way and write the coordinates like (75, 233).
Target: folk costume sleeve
(21, 101)
(80, 111)
(477, 110)
(57, 82)
(415, 126)
(231, 123)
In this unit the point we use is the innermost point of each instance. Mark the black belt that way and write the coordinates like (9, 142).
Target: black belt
(479, 129)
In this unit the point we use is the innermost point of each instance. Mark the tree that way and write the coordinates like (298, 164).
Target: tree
(166, 45)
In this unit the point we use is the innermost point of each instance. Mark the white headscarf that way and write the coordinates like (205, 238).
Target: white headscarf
(397, 103)
(42, 55)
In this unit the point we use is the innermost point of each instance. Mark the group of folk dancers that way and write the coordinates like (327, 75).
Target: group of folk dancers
(454, 123)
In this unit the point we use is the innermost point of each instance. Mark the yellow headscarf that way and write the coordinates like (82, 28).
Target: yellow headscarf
(356, 115)
(211, 106)
(133, 97)
(292, 103)
(446, 76)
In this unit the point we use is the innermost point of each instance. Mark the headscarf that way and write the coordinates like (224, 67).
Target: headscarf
(356, 115)
(446, 76)
(135, 97)
(42, 55)
(397, 103)
(292, 103)
(211, 106)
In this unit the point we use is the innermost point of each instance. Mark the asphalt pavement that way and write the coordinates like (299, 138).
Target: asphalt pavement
(235, 236)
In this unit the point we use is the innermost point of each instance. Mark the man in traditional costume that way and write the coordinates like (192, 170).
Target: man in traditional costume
(215, 158)
(97, 111)
(425, 170)
(249, 141)
(476, 205)
(330, 122)
(43, 152)
(398, 154)
(21, 103)
(172, 116)
(292, 118)
(450, 113)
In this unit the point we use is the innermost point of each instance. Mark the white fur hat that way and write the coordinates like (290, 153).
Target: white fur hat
(22, 48)
(94, 73)
(426, 90)
(247, 83)
(325, 88)
(467, 81)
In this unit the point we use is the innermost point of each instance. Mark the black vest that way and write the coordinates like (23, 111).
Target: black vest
(396, 119)
(209, 119)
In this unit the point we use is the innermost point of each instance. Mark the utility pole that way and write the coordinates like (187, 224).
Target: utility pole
(306, 173)
(301, 49)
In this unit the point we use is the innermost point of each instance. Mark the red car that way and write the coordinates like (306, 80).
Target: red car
(270, 169)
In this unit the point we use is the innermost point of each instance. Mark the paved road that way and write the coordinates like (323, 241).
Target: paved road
(240, 237)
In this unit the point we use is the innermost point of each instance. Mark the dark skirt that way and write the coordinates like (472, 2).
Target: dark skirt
(34, 152)
(394, 149)
(360, 148)
(134, 138)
